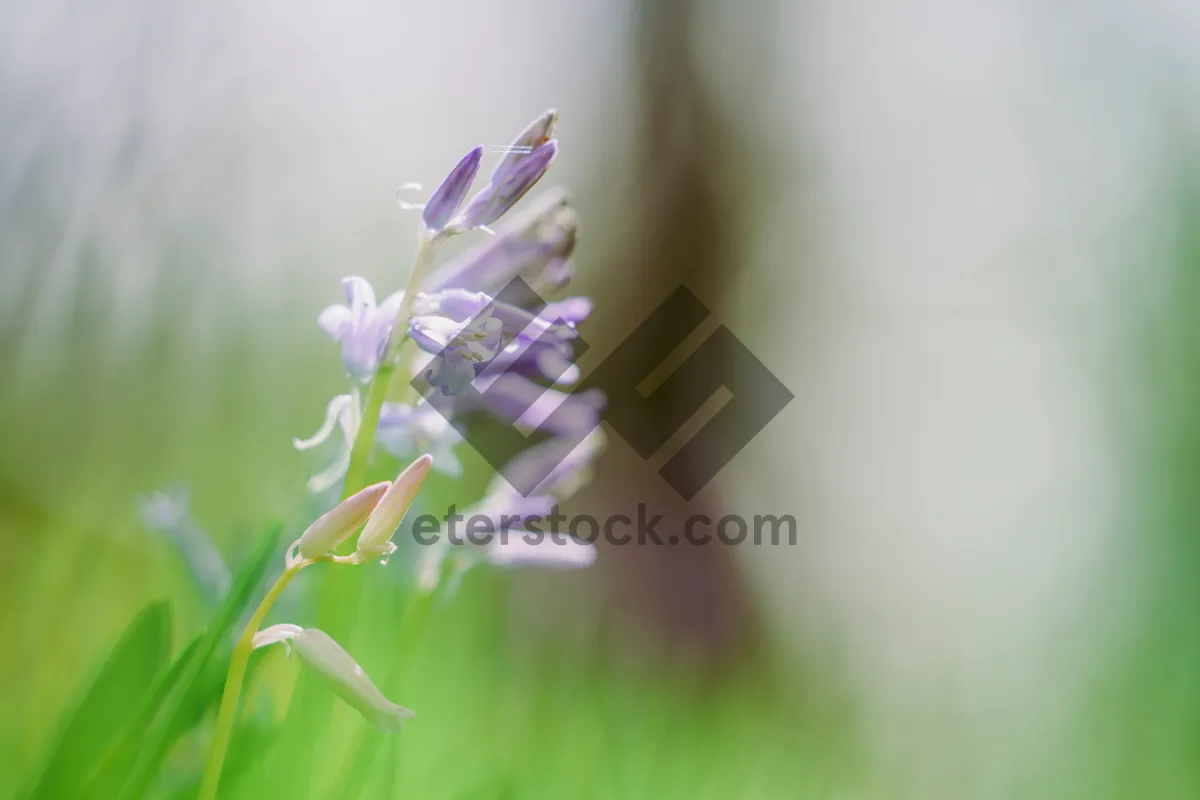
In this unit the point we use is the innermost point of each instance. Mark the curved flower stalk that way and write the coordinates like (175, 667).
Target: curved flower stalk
(378, 511)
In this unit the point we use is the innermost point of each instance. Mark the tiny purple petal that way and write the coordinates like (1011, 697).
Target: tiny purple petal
(359, 293)
(336, 320)
(457, 304)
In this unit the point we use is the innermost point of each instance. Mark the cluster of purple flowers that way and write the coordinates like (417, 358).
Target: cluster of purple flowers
(482, 352)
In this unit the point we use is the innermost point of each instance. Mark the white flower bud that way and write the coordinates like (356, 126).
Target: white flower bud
(375, 539)
(335, 526)
(320, 653)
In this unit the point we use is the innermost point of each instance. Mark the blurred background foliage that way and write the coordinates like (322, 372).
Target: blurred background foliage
(966, 235)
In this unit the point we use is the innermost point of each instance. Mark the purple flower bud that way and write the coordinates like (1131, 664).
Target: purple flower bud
(508, 187)
(535, 135)
(449, 196)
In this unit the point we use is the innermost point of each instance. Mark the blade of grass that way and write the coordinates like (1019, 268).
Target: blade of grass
(185, 702)
(109, 704)
(109, 774)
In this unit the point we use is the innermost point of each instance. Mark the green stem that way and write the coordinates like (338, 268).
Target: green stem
(360, 453)
(356, 473)
(233, 685)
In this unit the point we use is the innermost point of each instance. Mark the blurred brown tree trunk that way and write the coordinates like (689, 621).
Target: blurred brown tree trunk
(689, 600)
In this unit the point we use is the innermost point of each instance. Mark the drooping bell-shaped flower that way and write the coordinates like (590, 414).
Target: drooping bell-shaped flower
(328, 660)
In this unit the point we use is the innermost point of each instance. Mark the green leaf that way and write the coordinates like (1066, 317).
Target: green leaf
(110, 775)
(194, 694)
(109, 705)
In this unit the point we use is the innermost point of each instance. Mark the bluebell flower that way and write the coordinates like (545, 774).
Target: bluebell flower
(319, 652)
(361, 326)
(457, 345)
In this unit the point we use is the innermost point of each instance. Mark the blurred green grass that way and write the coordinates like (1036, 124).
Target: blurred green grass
(507, 706)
